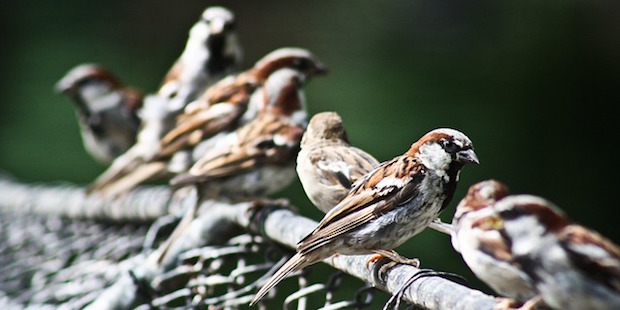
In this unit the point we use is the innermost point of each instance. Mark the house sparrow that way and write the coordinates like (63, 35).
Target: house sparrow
(524, 246)
(105, 108)
(388, 205)
(235, 99)
(484, 248)
(571, 266)
(256, 159)
(211, 52)
(225, 106)
(327, 164)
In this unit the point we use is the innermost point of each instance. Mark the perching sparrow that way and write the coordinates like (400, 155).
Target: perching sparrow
(258, 158)
(572, 267)
(327, 164)
(105, 108)
(211, 52)
(225, 106)
(387, 206)
(484, 248)
(254, 160)
(235, 99)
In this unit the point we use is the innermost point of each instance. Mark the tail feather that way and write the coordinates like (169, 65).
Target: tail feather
(297, 262)
(134, 178)
(118, 169)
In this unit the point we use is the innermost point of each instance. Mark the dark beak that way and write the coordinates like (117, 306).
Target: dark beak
(320, 69)
(467, 157)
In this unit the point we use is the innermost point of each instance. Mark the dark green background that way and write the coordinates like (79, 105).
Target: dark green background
(532, 83)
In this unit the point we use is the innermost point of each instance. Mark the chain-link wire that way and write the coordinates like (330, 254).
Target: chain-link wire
(53, 260)
(225, 277)
(49, 261)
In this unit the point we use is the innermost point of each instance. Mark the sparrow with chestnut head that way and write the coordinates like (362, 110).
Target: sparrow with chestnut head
(257, 159)
(524, 246)
(328, 164)
(226, 106)
(388, 205)
(106, 110)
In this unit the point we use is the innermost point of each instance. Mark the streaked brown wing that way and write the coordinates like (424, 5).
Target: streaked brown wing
(267, 140)
(201, 125)
(367, 201)
(597, 256)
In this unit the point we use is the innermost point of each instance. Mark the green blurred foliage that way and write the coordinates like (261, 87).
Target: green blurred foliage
(532, 83)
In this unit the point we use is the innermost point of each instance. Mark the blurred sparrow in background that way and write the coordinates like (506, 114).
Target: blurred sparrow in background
(106, 110)
(227, 105)
(211, 52)
(253, 161)
(258, 158)
(388, 205)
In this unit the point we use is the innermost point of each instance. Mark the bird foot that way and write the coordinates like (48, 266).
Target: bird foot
(509, 303)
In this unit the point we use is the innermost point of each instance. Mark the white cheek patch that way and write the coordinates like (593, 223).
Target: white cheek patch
(435, 157)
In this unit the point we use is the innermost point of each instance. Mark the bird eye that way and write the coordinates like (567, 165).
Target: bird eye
(302, 64)
(450, 146)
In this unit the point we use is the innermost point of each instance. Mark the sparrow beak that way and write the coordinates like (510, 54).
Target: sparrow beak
(467, 157)
(320, 69)
(63, 85)
(216, 26)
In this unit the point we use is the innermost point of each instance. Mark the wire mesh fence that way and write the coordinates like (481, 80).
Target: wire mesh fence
(228, 251)
(50, 262)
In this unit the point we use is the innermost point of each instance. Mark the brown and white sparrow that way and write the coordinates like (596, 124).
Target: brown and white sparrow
(484, 248)
(387, 206)
(328, 164)
(235, 99)
(569, 266)
(105, 108)
(224, 107)
(258, 158)
(254, 160)
(212, 51)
